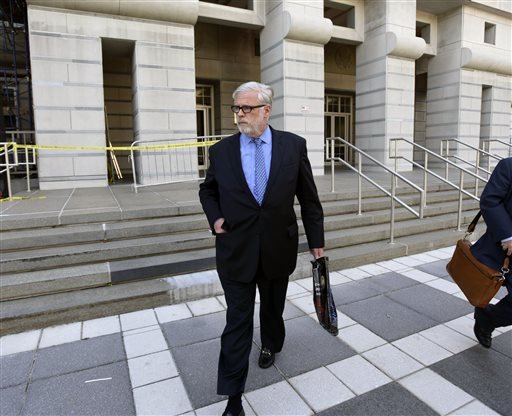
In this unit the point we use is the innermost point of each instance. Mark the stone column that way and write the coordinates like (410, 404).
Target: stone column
(385, 79)
(292, 62)
(164, 105)
(469, 89)
(67, 83)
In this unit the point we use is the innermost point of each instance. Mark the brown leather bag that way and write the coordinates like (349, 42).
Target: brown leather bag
(478, 282)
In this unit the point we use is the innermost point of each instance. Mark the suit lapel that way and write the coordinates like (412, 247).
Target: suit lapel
(236, 161)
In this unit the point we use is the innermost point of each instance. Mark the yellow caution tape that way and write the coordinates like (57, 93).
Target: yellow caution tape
(21, 198)
(114, 148)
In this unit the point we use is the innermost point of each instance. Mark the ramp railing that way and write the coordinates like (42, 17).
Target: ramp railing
(394, 176)
(160, 162)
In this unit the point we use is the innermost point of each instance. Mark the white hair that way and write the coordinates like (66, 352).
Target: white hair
(265, 92)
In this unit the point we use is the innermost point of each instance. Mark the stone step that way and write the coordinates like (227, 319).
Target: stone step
(60, 256)
(39, 311)
(63, 279)
(122, 228)
(56, 219)
(103, 215)
(66, 234)
(69, 267)
(18, 285)
(75, 254)
(75, 234)
(83, 233)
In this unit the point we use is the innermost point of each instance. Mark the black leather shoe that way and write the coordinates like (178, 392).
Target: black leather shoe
(482, 335)
(267, 358)
(229, 413)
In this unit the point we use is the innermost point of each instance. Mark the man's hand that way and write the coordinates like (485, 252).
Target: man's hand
(507, 246)
(317, 252)
(217, 226)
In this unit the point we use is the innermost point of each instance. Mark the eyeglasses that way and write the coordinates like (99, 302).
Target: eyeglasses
(245, 108)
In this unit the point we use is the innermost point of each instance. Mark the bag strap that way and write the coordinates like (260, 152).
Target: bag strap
(471, 227)
(472, 224)
(505, 268)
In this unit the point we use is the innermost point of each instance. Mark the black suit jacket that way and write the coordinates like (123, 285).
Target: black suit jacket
(266, 233)
(496, 207)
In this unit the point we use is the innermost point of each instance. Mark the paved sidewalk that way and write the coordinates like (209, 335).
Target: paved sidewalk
(118, 201)
(405, 347)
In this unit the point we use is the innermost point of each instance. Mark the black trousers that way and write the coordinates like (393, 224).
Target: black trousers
(500, 314)
(236, 339)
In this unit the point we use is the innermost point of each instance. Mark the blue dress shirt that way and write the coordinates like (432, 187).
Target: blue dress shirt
(247, 152)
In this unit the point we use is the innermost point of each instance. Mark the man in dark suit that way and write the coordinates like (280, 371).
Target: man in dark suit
(494, 245)
(248, 198)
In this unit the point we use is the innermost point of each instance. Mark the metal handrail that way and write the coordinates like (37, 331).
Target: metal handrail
(5, 164)
(8, 149)
(445, 152)
(394, 176)
(489, 141)
(194, 142)
(427, 171)
(22, 137)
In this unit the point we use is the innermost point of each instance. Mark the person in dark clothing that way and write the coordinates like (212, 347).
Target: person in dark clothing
(248, 197)
(493, 246)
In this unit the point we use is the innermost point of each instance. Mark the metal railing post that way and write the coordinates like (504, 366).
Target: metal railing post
(459, 209)
(27, 169)
(425, 180)
(133, 170)
(423, 204)
(359, 185)
(477, 170)
(7, 169)
(396, 159)
(331, 156)
(392, 222)
(446, 166)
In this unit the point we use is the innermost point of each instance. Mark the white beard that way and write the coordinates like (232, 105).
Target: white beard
(247, 130)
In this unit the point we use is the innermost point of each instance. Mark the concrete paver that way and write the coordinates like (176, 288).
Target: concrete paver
(138, 319)
(165, 397)
(475, 408)
(422, 349)
(279, 399)
(25, 341)
(437, 392)
(484, 374)
(448, 338)
(359, 338)
(101, 326)
(60, 334)
(392, 361)
(358, 375)
(205, 306)
(151, 368)
(163, 361)
(390, 399)
(321, 389)
(145, 342)
(172, 313)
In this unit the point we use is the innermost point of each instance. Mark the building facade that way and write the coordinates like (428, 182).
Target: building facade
(123, 71)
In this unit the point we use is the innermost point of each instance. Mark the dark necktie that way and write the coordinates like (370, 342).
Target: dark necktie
(260, 173)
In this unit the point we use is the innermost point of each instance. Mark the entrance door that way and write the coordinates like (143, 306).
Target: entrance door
(203, 129)
(204, 120)
(338, 123)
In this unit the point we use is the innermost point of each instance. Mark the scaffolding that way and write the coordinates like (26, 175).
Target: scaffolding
(17, 113)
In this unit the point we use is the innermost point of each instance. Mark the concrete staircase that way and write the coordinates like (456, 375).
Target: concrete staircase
(97, 264)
